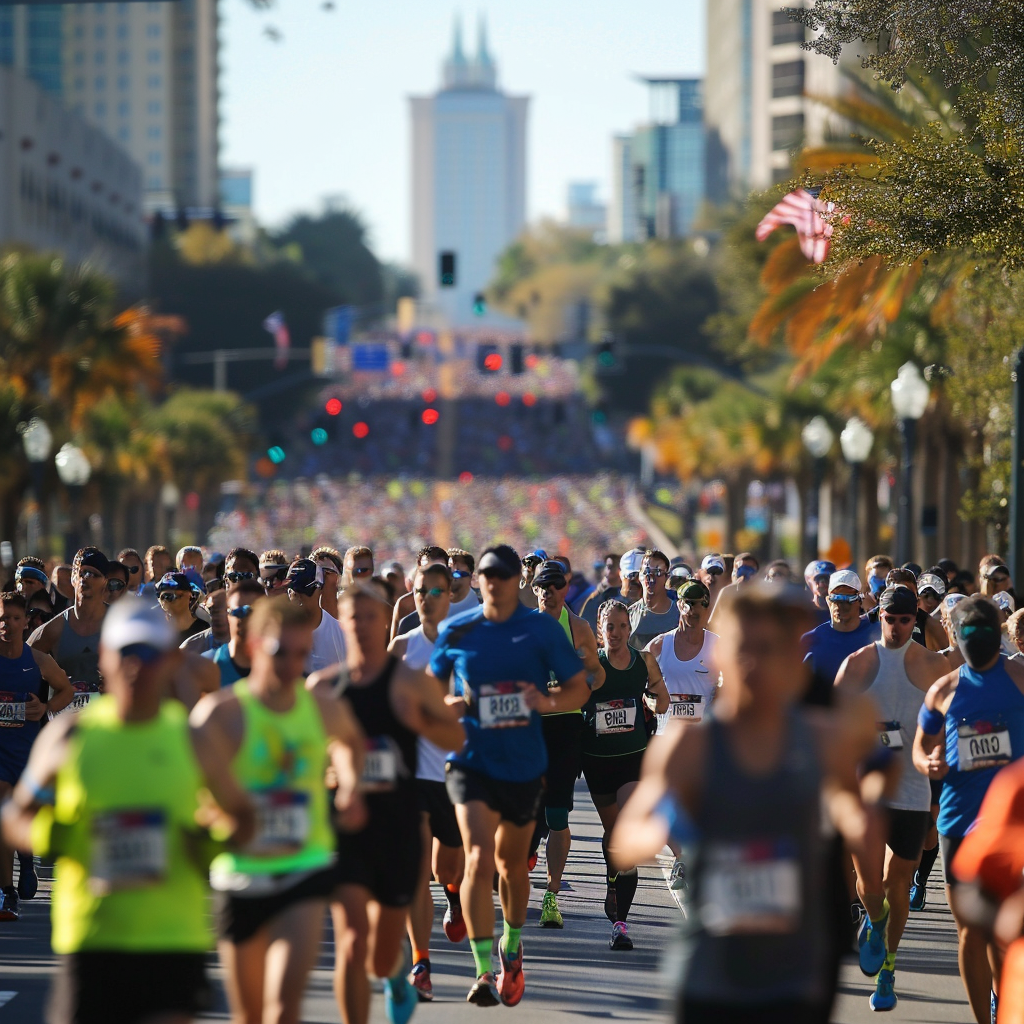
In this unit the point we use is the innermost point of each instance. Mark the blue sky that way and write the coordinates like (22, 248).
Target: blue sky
(323, 112)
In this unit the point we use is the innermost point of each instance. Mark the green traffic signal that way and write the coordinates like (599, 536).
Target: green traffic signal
(276, 454)
(318, 435)
(479, 305)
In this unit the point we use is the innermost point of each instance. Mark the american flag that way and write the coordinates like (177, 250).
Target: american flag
(804, 211)
(276, 326)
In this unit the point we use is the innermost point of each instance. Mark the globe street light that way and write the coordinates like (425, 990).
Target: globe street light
(1017, 470)
(74, 471)
(855, 440)
(817, 437)
(38, 441)
(910, 394)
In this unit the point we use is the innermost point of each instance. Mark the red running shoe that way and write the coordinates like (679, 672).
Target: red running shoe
(454, 924)
(511, 983)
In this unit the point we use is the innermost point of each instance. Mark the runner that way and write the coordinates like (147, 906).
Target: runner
(273, 569)
(712, 574)
(1015, 631)
(876, 569)
(745, 569)
(614, 742)
(330, 563)
(461, 563)
(240, 564)
(816, 577)
(404, 614)
(656, 612)
(500, 658)
(26, 678)
(270, 895)
(442, 858)
(116, 583)
(304, 581)
(232, 659)
(379, 865)
(895, 673)
(563, 737)
(30, 577)
(627, 591)
(829, 644)
(129, 901)
(971, 725)
(529, 566)
(358, 564)
(749, 791)
(132, 560)
(190, 557)
(179, 598)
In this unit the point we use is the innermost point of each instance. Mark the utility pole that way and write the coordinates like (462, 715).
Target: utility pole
(1017, 472)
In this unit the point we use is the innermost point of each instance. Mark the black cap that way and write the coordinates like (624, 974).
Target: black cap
(305, 576)
(550, 571)
(898, 600)
(913, 567)
(501, 560)
(947, 565)
(174, 581)
(96, 560)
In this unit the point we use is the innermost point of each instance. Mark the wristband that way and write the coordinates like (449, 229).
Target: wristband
(40, 794)
(677, 819)
(930, 721)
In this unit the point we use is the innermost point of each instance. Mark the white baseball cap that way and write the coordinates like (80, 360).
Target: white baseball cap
(133, 621)
(1005, 601)
(631, 561)
(929, 581)
(844, 578)
(710, 561)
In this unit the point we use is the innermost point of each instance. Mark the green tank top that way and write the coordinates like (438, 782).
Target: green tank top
(281, 766)
(614, 714)
(563, 621)
(123, 877)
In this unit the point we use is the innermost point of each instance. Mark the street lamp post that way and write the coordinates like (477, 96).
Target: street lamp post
(855, 440)
(910, 396)
(817, 437)
(38, 441)
(74, 471)
(1017, 471)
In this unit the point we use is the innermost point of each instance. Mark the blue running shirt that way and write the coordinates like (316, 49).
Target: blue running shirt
(828, 648)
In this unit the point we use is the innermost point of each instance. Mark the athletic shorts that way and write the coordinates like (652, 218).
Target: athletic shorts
(433, 800)
(102, 986)
(936, 787)
(607, 775)
(13, 759)
(563, 735)
(949, 845)
(384, 858)
(516, 802)
(690, 1011)
(238, 918)
(907, 832)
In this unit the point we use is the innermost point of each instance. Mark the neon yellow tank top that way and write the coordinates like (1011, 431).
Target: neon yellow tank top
(281, 766)
(124, 879)
(563, 621)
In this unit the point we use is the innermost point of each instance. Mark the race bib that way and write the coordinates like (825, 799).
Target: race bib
(12, 710)
(84, 692)
(982, 745)
(282, 820)
(502, 706)
(687, 705)
(751, 888)
(380, 765)
(129, 850)
(889, 735)
(615, 716)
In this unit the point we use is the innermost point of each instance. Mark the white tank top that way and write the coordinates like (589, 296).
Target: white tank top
(430, 758)
(693, 678)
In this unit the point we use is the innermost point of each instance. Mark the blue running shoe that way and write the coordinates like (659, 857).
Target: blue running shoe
(872, 945)
(993, 1007)
(884, 997)
(918, 897)
(400, 999)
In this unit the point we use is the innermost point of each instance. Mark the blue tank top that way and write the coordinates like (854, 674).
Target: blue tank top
(984, 732)
(18, 678)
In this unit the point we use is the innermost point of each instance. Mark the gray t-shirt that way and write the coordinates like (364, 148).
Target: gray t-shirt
(645, 625)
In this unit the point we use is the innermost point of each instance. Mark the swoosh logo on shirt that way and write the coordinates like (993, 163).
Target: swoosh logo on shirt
(516, 639)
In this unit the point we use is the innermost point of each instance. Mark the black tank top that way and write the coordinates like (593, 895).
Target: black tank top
(389, 770)
(920, 634)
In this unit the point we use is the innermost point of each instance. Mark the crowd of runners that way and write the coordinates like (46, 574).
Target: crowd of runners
(270, 735)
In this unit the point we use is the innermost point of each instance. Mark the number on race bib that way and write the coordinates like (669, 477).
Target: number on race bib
(615, 716)
(84, 693)
(282, 821)
(380, 765)
(751, 888)
(889, 735)
(502, 706)
(129, 850)
(689, 706)
(982, 745)
(12, 710)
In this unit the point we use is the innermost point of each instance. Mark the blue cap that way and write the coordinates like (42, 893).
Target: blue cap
(195, 580)
(819, 568)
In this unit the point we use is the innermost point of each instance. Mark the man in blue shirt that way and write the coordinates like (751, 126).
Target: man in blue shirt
(846, 631)
(500, 659)
(231, 658)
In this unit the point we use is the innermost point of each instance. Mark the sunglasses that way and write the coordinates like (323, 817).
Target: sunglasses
(694, 602)
(546, 587)
(133, 570)
(36, 613)
(843, 598)
(714, 570)
(235, 577)
(530, 561)
(116, 586)
(89, 574)
(997, 579)
(632, 576)
(277, 577)
(212, 586)
(656, 573)
(903, 620)
(929, 592)
(460, 574)
(429, 592)
(361, 570)
(243, 611)
(169, 595)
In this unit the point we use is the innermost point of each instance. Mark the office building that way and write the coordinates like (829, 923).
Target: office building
(659, 172)
(584, 210)
(468, 180)
(144, 73)
(236, 204)
(65, 186)
(756, 104)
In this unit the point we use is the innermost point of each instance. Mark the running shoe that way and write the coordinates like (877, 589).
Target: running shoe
(28, 881)
(454, 924)
(620, 937)
(871, 939)
(420, 980)
(611, 908)
(677, 876)
(550, 915)
(918, 896)
(993, 1007)
(400, 999)
(483, 992)
(511, 981)
(884, 996)
(9, 905)
(532, 862)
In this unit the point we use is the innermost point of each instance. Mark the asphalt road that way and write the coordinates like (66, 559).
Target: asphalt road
(569, 974)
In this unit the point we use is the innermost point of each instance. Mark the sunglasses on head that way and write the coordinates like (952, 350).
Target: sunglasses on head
(116, 586)
(843, 598)
(429, 592)
(243, 611)
(235, 577)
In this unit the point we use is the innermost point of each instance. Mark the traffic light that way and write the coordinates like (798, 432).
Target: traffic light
(609, 359)
(447, 269)
(318, 436)
(488, 358)
(276, 454)
(479, 304)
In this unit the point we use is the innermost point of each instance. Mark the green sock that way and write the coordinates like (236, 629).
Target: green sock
(885, 910)
(512, 939)
(482, 954)
(890, 963)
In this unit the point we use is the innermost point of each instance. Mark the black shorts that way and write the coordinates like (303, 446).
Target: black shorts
(385, 857)
(607, 775)
(936, 787)
(949, 845)
(563, 735)
(434, 801)
(689, 1011)
(907, 831)
(239, 918)
(101, 986)
(516, 802)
